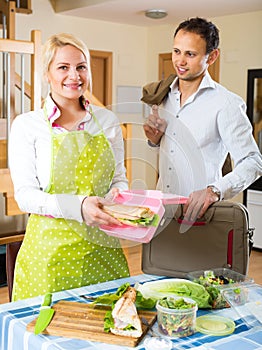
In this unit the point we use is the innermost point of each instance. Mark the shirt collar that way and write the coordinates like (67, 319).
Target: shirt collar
(206, 82)
(53, 111)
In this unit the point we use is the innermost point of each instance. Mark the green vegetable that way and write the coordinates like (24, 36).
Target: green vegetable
(212, 282)
(143, 221)
(237, 291)
(172, 303)
(164, 288)
(144, 303)
(111, 299)
(108, 321)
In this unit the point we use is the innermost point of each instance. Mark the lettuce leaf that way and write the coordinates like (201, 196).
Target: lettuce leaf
(111, 299)
(143, 221)
(144, 303)
(108, 321)
(176, 287)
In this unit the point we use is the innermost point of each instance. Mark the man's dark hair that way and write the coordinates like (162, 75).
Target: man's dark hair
(207, 30)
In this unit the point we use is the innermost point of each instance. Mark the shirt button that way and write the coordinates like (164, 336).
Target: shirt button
(169, 168)
(167, 186)
(172, 151)
(177, 116)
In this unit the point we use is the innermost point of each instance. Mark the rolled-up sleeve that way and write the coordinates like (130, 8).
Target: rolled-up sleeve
(30, 139)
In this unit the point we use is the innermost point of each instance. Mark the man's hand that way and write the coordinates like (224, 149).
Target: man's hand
(198, 203)
(155, 126)
(112, 194)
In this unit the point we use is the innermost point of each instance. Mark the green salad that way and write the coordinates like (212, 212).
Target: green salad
(176, 316)
(172, 303)
(213, 284)
(175, 287)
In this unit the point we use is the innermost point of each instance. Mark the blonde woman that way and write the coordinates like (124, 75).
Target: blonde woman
(64, 159)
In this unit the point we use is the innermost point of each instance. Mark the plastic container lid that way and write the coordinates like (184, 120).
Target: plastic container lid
(215, 325)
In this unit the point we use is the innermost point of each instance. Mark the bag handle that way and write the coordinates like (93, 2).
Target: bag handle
(205, 219)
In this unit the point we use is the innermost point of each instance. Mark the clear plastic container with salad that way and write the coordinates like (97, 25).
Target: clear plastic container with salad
(176, 317)
(217, 280)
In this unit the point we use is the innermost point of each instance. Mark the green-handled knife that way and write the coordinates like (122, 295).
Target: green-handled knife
(45, 315)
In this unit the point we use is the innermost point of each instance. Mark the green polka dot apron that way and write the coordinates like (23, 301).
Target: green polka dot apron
(60, 254)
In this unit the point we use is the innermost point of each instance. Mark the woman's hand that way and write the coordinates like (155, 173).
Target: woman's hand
(92, 212)
(154, 127)
(198, 203)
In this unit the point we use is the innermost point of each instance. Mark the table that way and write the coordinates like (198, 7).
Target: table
(16, 315)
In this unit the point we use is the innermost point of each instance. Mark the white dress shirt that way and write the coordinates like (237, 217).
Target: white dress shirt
(30, 155)
(199, 135)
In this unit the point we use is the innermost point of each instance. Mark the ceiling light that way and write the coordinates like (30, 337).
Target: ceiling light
(156, 14)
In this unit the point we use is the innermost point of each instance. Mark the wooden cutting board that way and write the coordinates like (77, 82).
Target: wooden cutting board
(80, 320)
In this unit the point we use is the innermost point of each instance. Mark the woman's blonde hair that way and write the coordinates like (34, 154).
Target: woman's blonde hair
(59, 40)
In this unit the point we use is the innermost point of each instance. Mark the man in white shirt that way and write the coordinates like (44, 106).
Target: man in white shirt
(197, 123)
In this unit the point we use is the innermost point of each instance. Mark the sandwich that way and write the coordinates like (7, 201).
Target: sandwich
(125, 318)
(137, 216)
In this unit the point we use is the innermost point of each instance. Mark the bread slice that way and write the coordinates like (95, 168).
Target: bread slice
(125, 315)
(128, 214)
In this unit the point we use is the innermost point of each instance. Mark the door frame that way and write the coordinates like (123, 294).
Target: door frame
(108, 60)
(161, 63)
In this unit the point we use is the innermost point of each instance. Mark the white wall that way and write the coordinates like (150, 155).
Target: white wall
(241, 49)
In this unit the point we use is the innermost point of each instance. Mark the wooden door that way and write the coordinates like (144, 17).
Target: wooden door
(166, 67)
(101, 67)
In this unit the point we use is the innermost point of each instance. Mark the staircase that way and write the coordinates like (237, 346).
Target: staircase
(8, 9)
(16, 96)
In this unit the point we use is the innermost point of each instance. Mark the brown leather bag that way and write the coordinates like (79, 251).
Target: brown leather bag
(221, 239)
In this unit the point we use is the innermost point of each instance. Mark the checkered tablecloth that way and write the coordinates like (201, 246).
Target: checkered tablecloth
(14, 318)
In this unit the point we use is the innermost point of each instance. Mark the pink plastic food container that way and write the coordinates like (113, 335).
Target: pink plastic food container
(155, 200)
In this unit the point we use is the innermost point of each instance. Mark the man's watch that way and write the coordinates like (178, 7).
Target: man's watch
(215, 190)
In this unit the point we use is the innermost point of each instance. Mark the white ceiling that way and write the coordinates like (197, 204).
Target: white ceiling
(132, 11)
